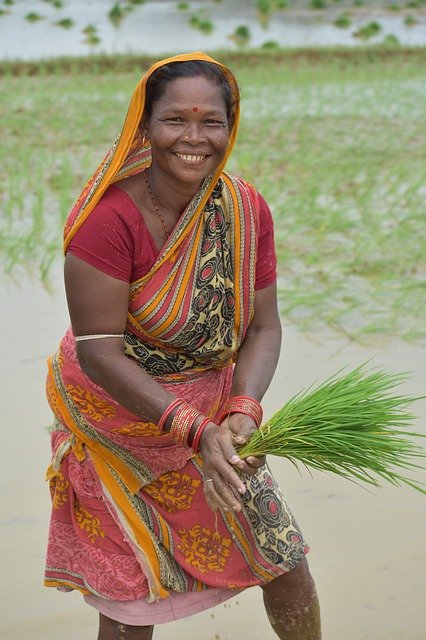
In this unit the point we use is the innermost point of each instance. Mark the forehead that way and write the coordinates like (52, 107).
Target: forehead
(189, 92)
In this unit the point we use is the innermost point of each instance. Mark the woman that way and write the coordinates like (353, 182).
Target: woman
(170, 280)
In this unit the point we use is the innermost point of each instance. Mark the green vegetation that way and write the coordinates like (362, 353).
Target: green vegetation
(201, 23)
(183, 6)
(241, 35)
(369, 30)
(343, 21)
(318, 4)
(332, 138)
(32, 16)
(65, 23)
(410, 21)
(351, 425)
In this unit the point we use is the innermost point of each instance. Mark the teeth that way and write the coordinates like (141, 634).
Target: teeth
(190, 158)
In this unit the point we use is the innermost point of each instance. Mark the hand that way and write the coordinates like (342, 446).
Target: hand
(222, 485)
(242, 426)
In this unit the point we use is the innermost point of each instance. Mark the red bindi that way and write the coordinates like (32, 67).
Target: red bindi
(195, 109)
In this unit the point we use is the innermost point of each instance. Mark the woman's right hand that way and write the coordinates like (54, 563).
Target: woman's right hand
(222, 485)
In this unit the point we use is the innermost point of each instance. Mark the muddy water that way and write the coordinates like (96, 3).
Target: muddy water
(367, 554)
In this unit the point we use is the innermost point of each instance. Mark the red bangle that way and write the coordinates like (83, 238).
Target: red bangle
(167, 412)
(243, 404)
(182, 422)
(197, 435)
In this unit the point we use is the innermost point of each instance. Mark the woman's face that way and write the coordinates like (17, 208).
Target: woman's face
(188, 130)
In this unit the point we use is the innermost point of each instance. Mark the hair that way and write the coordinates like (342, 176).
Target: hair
(157, 83)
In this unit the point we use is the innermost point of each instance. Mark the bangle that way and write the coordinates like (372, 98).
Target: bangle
(243, 404)
(182, 422)
(197, 435)
(167, 412)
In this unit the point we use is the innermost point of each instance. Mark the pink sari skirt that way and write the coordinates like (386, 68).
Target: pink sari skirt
(204, 557)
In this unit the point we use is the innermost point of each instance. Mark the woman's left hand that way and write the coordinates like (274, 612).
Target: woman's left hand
(242, 427)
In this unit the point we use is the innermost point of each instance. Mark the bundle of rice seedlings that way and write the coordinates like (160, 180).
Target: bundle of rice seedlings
(352, 425)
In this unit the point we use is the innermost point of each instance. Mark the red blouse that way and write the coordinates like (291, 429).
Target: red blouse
(115, 240)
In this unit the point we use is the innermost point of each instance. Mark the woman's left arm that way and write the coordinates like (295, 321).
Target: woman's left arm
(256, 362)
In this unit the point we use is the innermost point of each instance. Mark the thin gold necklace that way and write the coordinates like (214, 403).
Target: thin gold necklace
(155, 204)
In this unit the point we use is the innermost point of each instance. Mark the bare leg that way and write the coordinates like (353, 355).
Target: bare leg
(113, 630)
(292, 605)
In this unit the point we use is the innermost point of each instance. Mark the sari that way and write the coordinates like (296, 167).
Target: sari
(129, 517)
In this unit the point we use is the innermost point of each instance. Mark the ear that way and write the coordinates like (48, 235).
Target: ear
(144, 128)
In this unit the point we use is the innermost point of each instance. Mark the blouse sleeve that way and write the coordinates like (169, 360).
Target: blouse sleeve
(266, 265)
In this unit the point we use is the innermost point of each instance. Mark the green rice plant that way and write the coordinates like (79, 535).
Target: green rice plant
(318, 4)
(4, 12)
(351, 425)
(413, 4)
(241, 35)
(9, 2)
(410, 21)
(343, 21)
(89, 29)
(391, 40)
(394, 7)
(32, 16)
(270, 45)
(183, 6)
(369, 30)
(65, 23)
(92, 39)
(116, 14)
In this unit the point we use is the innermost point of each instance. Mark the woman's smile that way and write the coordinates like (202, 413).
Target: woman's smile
(187, 144)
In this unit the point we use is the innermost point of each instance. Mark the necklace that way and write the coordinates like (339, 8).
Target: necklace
(155, 204)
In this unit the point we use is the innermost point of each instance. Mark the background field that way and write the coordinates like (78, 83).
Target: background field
(334, 140)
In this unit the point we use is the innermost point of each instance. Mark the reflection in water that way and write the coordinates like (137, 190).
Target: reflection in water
(159, 27)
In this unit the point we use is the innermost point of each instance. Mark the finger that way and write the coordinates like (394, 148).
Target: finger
(214, 498)
(255, 461)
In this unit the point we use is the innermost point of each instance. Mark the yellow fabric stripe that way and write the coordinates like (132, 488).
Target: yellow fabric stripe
(129, 478)
(255, 566)
(237, 267)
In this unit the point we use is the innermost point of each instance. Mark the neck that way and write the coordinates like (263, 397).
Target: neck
(171, 196)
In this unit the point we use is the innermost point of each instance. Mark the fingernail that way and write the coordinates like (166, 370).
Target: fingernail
(240, 440)
(242, 489)
(235, 459)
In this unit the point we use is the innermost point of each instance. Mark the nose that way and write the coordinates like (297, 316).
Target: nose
(194, 133)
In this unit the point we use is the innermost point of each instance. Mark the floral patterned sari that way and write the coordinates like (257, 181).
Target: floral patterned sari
(129, 518)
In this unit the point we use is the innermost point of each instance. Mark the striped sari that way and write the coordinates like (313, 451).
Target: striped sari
(129, 517)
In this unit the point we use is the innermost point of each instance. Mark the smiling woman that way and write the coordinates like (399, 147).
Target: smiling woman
(170, 276)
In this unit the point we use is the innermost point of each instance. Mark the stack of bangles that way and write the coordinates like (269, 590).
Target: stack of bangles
(243, 404)
(183, 430)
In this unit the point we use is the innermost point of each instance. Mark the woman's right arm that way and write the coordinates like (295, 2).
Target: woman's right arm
(98, 304)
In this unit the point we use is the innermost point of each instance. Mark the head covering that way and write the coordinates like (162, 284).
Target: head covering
(130, 154)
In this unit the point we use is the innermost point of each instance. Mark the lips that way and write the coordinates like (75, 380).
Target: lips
(190, 157)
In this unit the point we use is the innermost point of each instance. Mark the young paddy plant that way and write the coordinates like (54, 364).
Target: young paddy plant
(352, 425)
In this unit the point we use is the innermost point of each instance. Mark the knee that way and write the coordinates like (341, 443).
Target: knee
(298, 580)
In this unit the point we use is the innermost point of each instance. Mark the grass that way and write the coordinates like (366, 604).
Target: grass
(333, 139)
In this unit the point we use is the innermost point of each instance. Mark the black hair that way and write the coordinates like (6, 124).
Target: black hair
(158, 81)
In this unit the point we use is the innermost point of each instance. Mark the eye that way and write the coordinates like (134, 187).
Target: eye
(173, 120)
(215, 123)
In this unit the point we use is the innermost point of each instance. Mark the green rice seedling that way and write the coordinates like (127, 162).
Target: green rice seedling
(32, 16)
(8, 2)
(391, 40)
(270, 45)
(89, 29)
(318, 4)
(410, 21)
(343, 21)
(183, 6)
(351, 425)
(4, 12)
(65, 23)
(116, 14)
(369, 30)
(241, 35)
(394, 7)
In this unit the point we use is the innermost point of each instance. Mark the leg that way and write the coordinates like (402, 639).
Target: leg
(292, 605)
(113, 630)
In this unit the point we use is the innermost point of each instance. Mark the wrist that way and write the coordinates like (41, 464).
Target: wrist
(243, 404)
